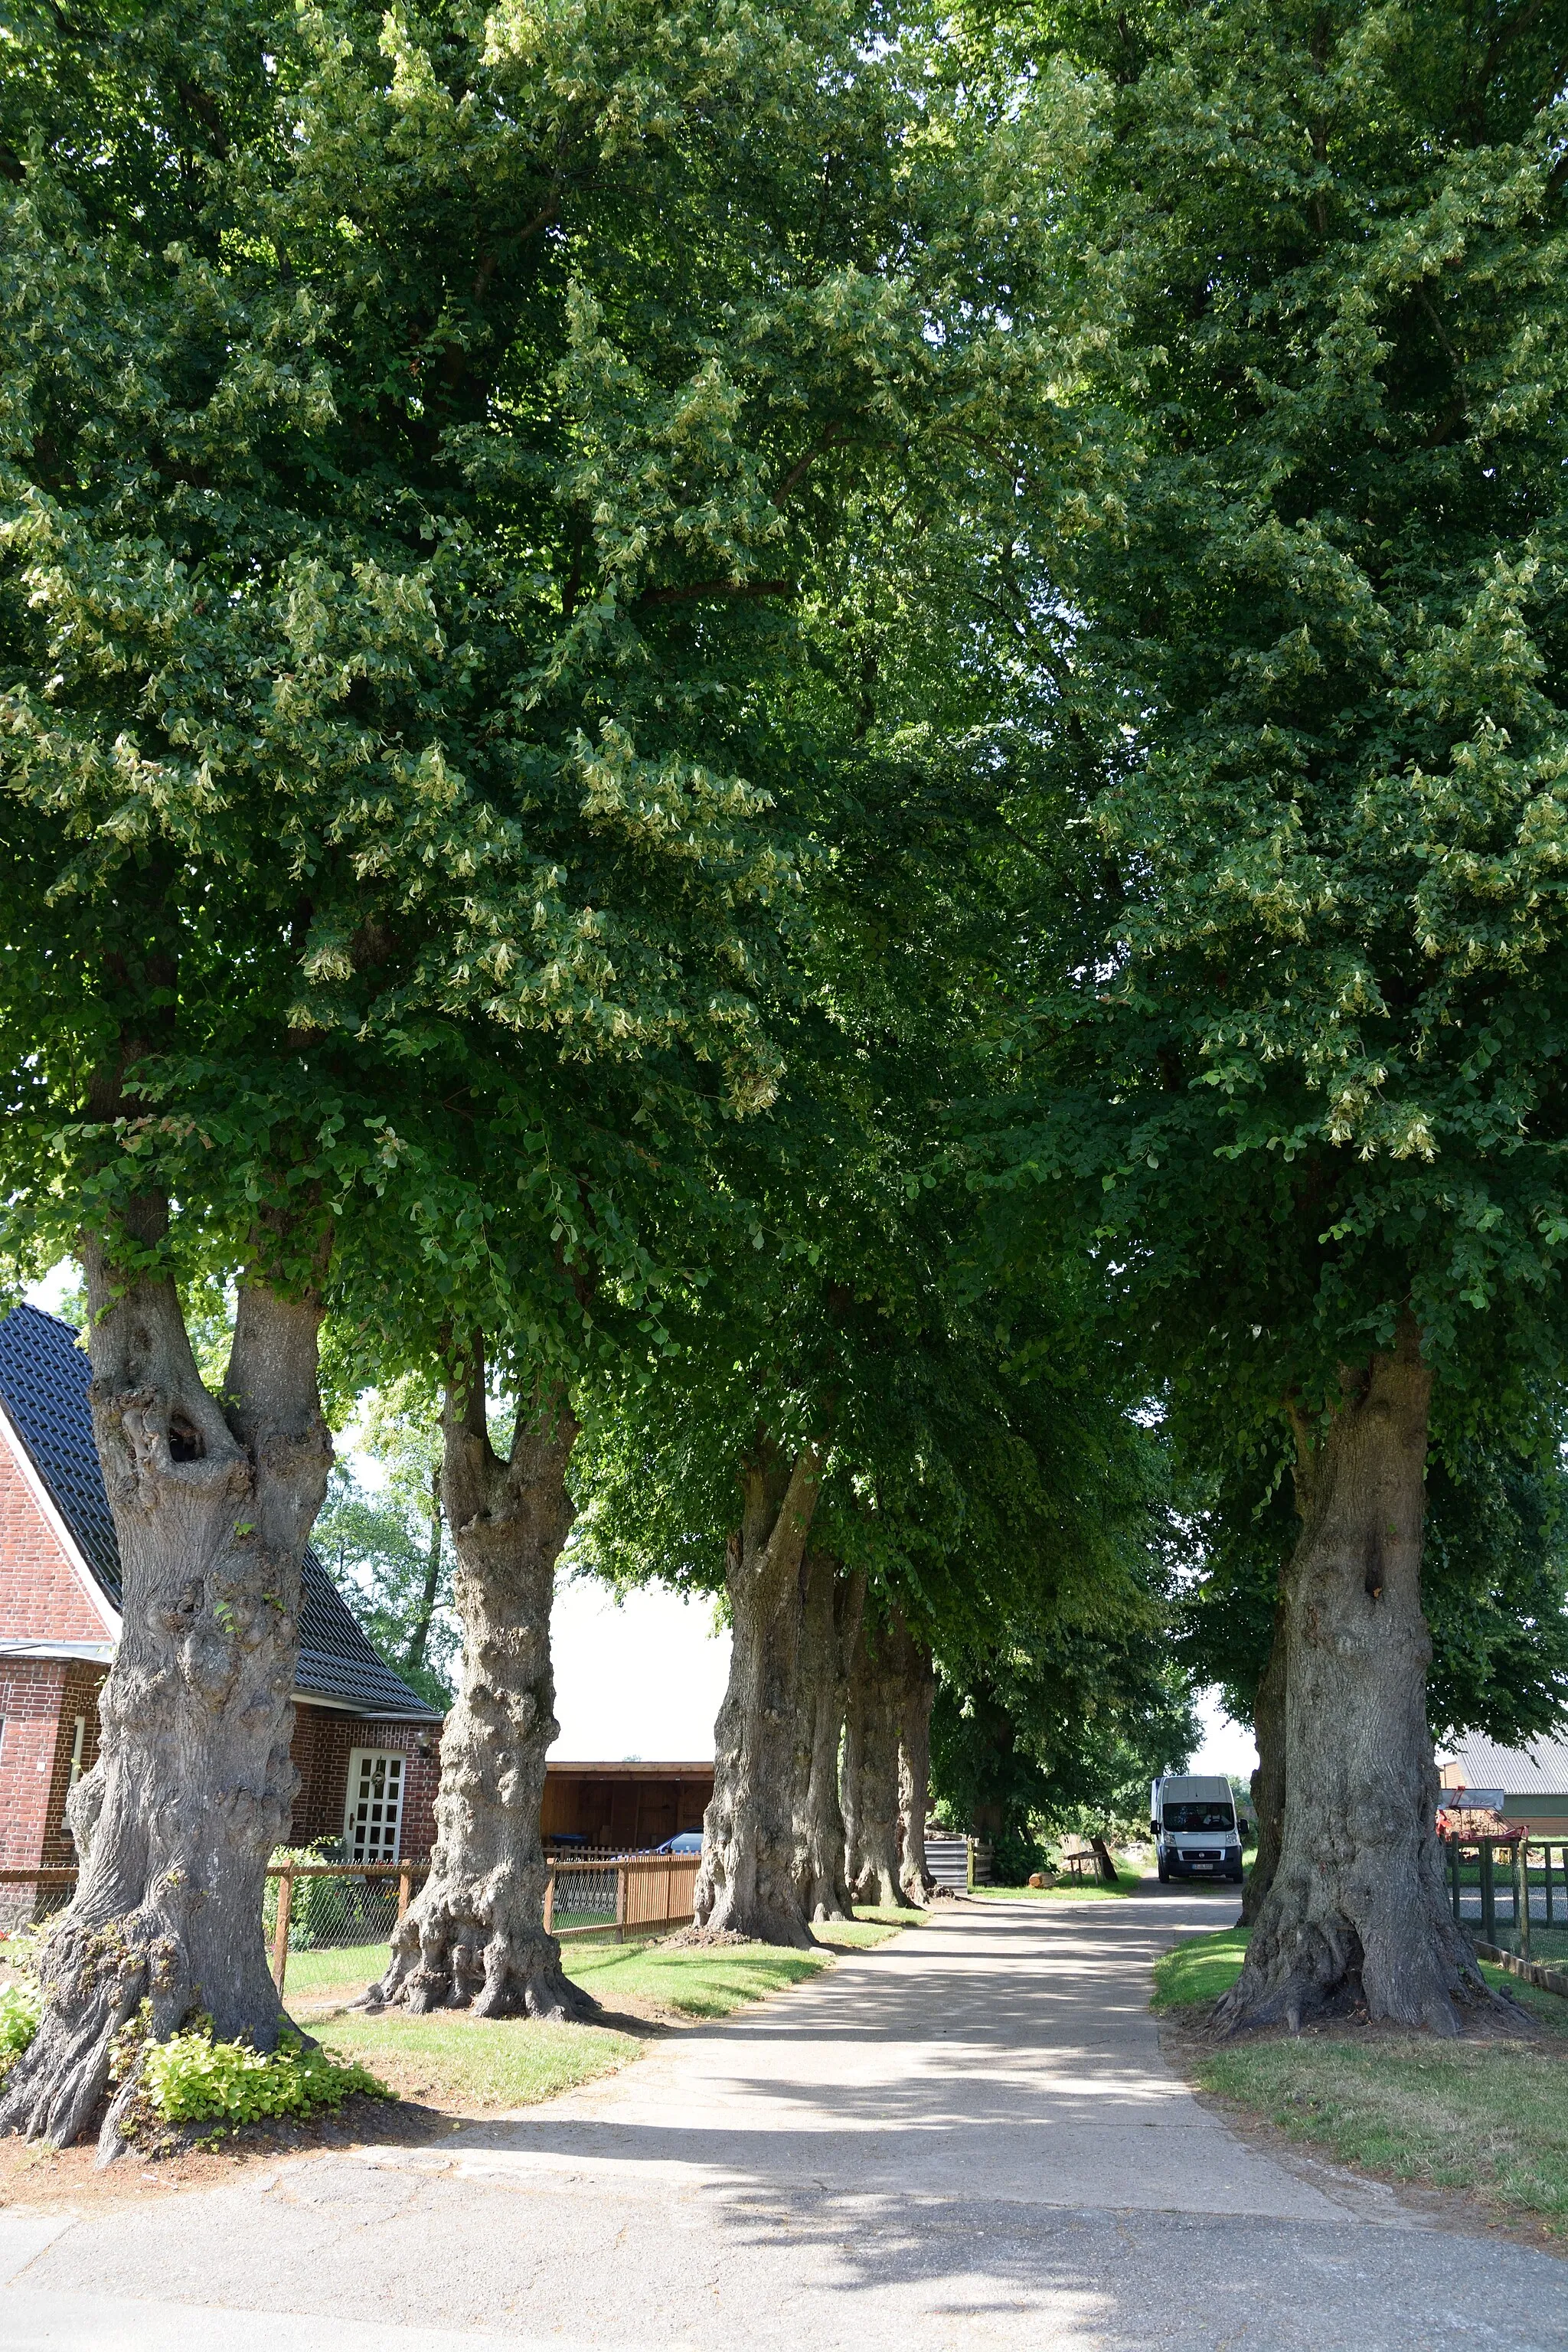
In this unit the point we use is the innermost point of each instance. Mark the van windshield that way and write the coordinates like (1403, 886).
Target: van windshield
(1199, 1817)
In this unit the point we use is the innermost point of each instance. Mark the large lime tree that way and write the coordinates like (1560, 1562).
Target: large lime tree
(418, 440)
(1306, 1083)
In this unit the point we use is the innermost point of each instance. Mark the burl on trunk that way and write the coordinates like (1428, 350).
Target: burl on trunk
(475, 1937)
(829, 1623)
(194, 1787)
(747, 1882)
(1357, 1913)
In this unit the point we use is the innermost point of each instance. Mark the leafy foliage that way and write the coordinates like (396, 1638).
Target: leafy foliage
(1309, 1075)
(21, 2006)
(191, 2079)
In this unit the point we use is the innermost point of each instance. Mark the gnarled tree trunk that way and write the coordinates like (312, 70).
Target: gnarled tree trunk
(194, 1786)
(917, 1696)
(871, 1768)
(830, 1621)
(747, 1880)
(475, 1937)
(1356, 1912)
(1268, 1781)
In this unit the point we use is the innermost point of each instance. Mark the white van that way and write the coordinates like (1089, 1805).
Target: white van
(1191, 1819)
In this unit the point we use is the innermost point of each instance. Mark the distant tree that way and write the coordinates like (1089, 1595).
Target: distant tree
(388, 1545)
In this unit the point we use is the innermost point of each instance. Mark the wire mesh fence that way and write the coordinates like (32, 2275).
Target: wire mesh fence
(28, 1897)
(329, 1925)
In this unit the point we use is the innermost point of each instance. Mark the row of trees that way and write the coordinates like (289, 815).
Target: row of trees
(814, 756)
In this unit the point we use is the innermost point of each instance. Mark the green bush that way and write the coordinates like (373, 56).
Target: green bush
(192, 2079)
(20, 2008)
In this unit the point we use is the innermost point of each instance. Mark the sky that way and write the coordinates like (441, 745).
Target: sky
(643, 1678)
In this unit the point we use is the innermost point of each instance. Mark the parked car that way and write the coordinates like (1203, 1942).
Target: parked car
(689, 1842)
(1192, 1824)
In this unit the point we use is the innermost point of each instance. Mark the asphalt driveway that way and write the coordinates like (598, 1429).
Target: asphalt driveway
(965, 2137)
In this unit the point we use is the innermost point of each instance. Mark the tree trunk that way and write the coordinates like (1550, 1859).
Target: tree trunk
(474, 1938)
(1268, 1781)
(829, 1623)
(420, 1635)
(918, 1694)
(194, 1786)
(747, 1880)
(871, 1771)
(1357, 1912)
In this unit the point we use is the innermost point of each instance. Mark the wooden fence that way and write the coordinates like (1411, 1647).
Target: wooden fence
(618, 1895)
(652, 1891)
(1515, 1877)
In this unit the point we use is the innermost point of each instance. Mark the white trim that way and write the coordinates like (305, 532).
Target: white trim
(381, 1834)
(105, 1611)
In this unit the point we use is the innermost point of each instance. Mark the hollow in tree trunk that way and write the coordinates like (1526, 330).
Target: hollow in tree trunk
(871, 1768)
(194, 1786)
(917, 1696)
(474, 1938)
(1356, 1912)
(1268, 1779)
(829, 1623)
(747, 1880)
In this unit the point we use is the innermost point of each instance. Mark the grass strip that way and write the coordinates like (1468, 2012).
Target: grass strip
(1072, 1890)
(1487, 2116)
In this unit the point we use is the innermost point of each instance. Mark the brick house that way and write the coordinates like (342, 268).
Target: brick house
(366, 1747)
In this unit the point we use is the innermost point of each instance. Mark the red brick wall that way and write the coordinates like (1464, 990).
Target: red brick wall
(30, 1693)
(323, 1739)
(41, 1597)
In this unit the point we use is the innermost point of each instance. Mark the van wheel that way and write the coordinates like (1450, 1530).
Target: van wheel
(1164, 1871)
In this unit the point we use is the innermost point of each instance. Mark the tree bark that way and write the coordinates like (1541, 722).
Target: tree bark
(871, 1771)
(194, 1786)
(917, 1696)
(474, 1938)
(1356, 1914)
(1268, 1781)
(747, 1880)
(830, 1621)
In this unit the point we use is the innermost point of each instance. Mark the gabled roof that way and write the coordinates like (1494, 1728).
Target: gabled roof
(44, 1377)
(1540, 1769)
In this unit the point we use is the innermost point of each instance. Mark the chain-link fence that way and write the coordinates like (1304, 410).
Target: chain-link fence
(329, 1925)
(28, 1897)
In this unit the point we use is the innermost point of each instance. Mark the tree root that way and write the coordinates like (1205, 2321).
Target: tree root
(493, 1973)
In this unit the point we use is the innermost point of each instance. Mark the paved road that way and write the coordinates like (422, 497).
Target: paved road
(966, 2138)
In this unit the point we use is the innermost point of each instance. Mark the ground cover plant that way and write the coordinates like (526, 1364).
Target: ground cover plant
(1486, 2115)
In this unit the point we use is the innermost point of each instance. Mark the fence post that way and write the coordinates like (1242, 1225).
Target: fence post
(550, 1898)
(281, 1932)
(1489, 1892)
(1548, 1884)
(620, 1901)
(1521, 1896)
(1452, 1843)
(969, 1863)
(405, 1892)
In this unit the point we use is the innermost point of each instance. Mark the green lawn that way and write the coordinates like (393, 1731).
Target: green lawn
(1070, 1890)
(1487, 2116)
(453, 2060)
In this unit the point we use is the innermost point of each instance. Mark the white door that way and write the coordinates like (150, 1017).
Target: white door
(373, 1817)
